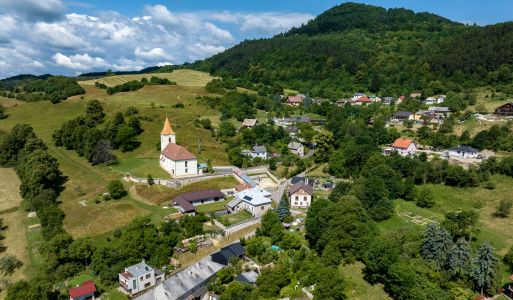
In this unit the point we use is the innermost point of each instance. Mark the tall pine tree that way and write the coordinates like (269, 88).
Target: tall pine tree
(460, 257)
(308, 101)
(428, 246)
(443, 246)
(483, 265)
(283, 208)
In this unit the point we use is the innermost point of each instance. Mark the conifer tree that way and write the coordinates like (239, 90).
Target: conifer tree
(277, 98)
(283, 208)
(428, 246)
(442, 248)
(460, 257)
(483, 265)
(308, 101)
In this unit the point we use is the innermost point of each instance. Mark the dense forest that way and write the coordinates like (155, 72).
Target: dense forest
(32, 88)
(356, 47)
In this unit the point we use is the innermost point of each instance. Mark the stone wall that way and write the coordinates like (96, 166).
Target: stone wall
(175, 183)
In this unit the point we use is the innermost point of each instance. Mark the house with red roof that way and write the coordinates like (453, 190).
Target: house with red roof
(404, 146)
(175, 159)
(84, 292)
(363, 101)
(415, 95)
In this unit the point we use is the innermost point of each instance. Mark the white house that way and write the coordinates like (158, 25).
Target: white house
(175, 159)
(300, 194)
(255, 200)
(441, 99)
(140, 277)
(84, 292)
(256, 151)
(404, 146)
(431, 101)
(296, 148)
(463, 151)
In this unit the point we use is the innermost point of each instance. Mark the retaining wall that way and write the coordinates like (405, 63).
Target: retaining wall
(236, 227)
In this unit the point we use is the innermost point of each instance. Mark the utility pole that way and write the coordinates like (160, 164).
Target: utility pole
(199, 144)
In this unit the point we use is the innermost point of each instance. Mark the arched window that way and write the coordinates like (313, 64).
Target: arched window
(170, 140)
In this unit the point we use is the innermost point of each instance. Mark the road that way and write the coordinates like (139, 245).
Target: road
(309, 154)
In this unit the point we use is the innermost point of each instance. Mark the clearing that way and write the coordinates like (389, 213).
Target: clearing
(181, 77)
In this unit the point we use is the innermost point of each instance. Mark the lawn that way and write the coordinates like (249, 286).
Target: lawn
(228, 220)
(159, 194)
(141, 167)
(358, 288)
(212, 206)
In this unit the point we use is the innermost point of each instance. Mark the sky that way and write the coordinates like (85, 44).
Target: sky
(73, 37)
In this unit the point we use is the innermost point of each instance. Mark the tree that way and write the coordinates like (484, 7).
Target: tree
(483, 265)
(460, 257)
(116, 189)
(283, 208)
(504, 208)
(150, 180)
(442, 248)
(9, 264)
(272, 164)
(3, 115)
(337, 164)
(307, 102)
(102, 153)
(126, 138)
(325, 142)
(426, 198)
(331, 285)
(381, 255)
(227, 129)
(410, 190)
(429, 243)
(235, 157)
(94, 110)
(271, 226)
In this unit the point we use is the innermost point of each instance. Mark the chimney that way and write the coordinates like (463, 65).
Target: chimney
(143, 261)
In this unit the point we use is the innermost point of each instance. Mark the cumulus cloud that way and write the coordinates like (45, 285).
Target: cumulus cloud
(47, 10)
(82, 43)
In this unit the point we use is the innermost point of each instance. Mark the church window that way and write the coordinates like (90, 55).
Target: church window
(170, 140)
(186, 171)
(186, 164)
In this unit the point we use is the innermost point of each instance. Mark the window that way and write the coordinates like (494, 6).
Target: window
(262, 208)
(216, 199)
(135, 284)
(202, 201)
(297, 198)
(186, 170)
(295, 203)
(304, 198)
(170, 140)
(300, 203)
(186, 163)
(142, 277)
(148, 276)
(147, 285)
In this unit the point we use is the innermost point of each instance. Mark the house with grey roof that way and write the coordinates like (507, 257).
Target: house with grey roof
(254, 200)
(296, 148)
(463, 151)
(256, 151)
(300, 194)
(248, 277)
(226, 253)
(139, 277)
(403, 115)
(183, 284)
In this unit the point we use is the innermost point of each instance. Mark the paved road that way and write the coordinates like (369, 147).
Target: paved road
(309, 154)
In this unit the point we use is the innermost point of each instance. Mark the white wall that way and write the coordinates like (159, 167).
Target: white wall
(165, 139)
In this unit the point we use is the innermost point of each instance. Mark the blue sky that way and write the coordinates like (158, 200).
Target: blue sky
(72, 37)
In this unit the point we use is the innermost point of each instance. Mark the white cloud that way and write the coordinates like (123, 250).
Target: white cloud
(31, 10)
(81, 43)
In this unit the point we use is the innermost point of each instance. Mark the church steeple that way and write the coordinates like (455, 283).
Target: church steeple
(167, 135)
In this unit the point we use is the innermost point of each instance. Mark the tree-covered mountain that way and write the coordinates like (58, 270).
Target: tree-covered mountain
(355, 47)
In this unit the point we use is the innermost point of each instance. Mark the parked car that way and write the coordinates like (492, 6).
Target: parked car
(329, 181)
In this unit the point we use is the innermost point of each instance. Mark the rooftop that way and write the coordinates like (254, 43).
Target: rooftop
(253, 196)
(402, 143)
(248, 277)
(301, 185)
(249, 122)
(87, 287)
(167, 128)
(138, 269)
(177, 152)
(194, 196)
(463, 148)
(294, 145)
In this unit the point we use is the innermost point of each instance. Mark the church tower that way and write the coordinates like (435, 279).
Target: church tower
(167, 135)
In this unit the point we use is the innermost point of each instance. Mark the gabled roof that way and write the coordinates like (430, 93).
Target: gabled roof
(236, 248)
(252, 196)
(439, 109)
(177, 152)
(248, 277)
(295, 145)
(301, 185)
(258, 149)
(402, 143)
(293, 129)
(509, 103)
(241, 187)
(359, 94)
(389, 98)
(167, 128)
(302, 120)
(87, 287)
(249, 122)
(431, 99)
(297, 179)
(194, 196)
(184, 204)
(294, 99)
(363, 99)
(464, 149)
(403, 113)
(414, 95)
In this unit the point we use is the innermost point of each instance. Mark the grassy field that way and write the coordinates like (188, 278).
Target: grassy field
(359, 289)
(228, 220)
(212, 206)
(160, 194)
(141, 167)
(181, 77)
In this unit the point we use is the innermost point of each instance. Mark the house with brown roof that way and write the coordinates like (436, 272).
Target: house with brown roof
(241, 187)
(175, 159)
(404, 146)
(505, 110)
(293, 100)
(296, 148)
(201, 197)
(84, 292)
(415, 95)
(300, 194)
(249, 123)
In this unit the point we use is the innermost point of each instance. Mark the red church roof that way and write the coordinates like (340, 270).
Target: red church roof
(177, 152)
(87, 287)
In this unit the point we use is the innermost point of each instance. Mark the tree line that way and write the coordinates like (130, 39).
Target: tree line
(52, 88)
(134, 85)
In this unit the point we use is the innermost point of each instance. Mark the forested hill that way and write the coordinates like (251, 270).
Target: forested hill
(356, 47)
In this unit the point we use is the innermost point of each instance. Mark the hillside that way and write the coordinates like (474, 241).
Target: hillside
(355, 47)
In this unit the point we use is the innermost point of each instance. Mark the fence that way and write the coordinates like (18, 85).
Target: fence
(175, 183)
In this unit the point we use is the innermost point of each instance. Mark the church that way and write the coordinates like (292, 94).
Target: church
(175, 159)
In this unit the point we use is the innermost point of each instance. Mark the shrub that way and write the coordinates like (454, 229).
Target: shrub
(116, 189)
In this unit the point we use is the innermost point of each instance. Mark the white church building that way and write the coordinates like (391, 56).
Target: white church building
(175, 159)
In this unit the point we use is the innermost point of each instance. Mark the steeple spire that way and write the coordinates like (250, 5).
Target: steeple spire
(167, 128)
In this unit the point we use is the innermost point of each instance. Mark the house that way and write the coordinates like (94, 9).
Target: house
(431, 101)
(249, 123)
(139, 277)
(175, 159)
(372, 97)
(256, 151)
(248, 277)
(226, 253)
(388, 100)
(297, 179)
(293, 100)
(300, 194)
(377, 99)
(293, 130)
(201, 197)
(403, 115)
(363, 101)
(185, 283)
(304, 120)
(358, 95)
(296, 148)
(505, 110)
(302, 96)
(343, 102)
(404, 146)
(317, 101)
(184, 206)
(463, 151)
(84, 292)
(400, 99)
(254, 200)
(440, 99)
(414, 95)
(439, 110)
(418, 115)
